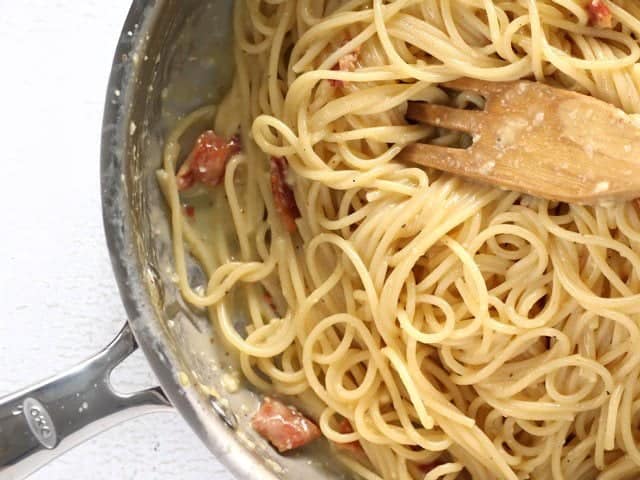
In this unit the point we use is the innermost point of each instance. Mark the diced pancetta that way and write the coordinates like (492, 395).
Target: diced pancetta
(207, 161)
(283, 426)
(283, 197)
(346, 63)
(599, 14)
(353, 447)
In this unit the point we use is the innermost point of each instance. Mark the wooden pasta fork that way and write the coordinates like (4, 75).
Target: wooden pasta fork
(537, 139)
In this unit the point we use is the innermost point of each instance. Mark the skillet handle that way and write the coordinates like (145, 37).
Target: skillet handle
(45, 420)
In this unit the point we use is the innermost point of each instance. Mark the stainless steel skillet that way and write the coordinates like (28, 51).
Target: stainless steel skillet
(172, 57)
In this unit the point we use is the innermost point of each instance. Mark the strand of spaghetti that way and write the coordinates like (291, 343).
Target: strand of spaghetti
(442, 470)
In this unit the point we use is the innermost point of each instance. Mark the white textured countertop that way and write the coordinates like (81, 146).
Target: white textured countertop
(58, 295)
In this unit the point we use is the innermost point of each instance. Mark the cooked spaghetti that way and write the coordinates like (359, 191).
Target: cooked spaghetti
(434, 328)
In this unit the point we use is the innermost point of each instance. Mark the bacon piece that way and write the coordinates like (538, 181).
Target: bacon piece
(599, 14)
(346, 63)
(284, 427)
(190, 211)
(207, 161)
(353, 447)
(269, 300)
(282, 193)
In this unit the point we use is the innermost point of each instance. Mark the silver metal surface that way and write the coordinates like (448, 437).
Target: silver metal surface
(41, 422)
(172, 57)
